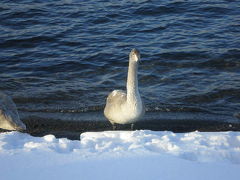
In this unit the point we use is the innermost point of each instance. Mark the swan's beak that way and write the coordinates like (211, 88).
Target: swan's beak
(134, 55)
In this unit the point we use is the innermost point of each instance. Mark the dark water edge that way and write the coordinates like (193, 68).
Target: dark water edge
(73, 129)
(175, 122)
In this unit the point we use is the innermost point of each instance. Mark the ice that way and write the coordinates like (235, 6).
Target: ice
(121, 155)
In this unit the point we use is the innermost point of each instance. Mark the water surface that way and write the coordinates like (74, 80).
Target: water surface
(60, 59)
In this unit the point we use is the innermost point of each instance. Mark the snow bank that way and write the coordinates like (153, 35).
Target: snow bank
(196, 146)
(122, 155)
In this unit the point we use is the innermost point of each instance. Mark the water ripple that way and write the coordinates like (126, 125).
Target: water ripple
(68, 55)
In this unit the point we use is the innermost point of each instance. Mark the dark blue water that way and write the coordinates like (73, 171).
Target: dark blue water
(60, 59)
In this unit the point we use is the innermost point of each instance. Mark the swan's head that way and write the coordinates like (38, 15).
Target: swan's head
(134, 55)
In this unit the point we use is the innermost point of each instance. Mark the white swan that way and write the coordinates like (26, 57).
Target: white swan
(126, 107)
(9, 118)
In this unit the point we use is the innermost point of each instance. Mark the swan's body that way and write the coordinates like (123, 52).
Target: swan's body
(126, 107)
(9, 118)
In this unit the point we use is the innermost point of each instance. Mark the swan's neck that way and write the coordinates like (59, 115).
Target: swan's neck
(132, 82)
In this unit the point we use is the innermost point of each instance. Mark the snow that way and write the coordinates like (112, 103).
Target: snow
(121, 155)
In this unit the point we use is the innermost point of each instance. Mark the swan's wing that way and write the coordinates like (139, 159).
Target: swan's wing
(8, 106)
(114, 101)
(9, 117)
(117, 97)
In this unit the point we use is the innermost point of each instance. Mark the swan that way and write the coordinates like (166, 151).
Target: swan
(9, 118)
(126, 107)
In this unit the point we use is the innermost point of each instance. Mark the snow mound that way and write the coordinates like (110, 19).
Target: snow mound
(16, 142)
(194, 146)
(121, 155)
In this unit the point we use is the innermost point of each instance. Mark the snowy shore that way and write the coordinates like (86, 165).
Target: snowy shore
(122, 155)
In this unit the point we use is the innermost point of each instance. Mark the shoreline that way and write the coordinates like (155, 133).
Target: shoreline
(72, 129)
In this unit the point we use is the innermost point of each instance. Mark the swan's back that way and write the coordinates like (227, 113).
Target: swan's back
(9, 118)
